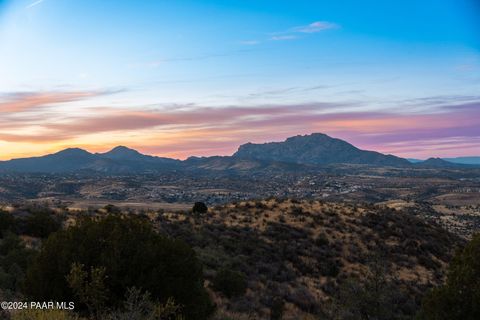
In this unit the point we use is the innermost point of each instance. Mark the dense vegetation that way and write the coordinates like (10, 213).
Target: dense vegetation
(14, 260)
(301, 254)
(118, 253)
(271, 259)
(459, 297)
(97, 262)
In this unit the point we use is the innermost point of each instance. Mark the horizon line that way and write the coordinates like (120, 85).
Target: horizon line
(217, 155)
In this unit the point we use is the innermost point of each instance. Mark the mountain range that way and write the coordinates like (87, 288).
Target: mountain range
(439, 163)
(294, 153)
(459, 160)
(119, 160)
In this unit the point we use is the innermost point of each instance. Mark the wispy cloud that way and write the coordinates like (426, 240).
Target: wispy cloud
(27, 101)
(295, 32)
(282, 92)
(33, 4)
(316, 26)
(285, 37)
(207, 56)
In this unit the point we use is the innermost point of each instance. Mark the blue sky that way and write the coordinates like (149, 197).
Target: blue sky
(364, 59)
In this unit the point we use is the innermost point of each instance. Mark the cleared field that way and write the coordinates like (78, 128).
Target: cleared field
(458, 199)
(82, 204)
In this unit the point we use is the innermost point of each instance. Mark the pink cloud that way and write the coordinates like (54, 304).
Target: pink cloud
(195, 130)
(21, 102)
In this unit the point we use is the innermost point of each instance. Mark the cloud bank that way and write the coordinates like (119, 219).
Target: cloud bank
(36, 123)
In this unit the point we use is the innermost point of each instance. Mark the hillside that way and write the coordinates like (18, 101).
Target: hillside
(309, 258)
(305, 252)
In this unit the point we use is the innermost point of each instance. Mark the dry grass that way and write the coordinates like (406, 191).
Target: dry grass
(303, 250)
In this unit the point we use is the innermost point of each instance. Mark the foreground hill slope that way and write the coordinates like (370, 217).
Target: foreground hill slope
(304, 252)
(309, 260)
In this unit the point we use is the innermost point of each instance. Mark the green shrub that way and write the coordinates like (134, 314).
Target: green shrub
(41, 224)
(14, 259)
(459, 297)
(33, 314)
(7, 223)
(321, 240)
(138, 305)
(131, 254)
(230, 283)
(110, 208)
(199, 207)
(277, 309)
(89, 286)
(330, 268)
(373, 296)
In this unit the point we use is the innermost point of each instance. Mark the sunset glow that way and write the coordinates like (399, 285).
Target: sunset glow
(183, 79)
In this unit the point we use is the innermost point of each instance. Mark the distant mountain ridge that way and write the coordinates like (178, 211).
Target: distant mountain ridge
(464, 160)
(437, 163)
(118, 160)
(122, 153)
(316, 149)
(295, 153)
(457, 160)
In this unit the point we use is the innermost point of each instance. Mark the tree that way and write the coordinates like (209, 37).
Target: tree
(138, 305)
(14, 259)
(277, 309)
(110, 208)
(459, 297)
(230, 283)
(373, 297)
(199, 208)
(132, 255)
(89, 287)
(41, 224)
(7, 222)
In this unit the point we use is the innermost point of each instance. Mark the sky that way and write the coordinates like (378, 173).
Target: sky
(183, 78)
